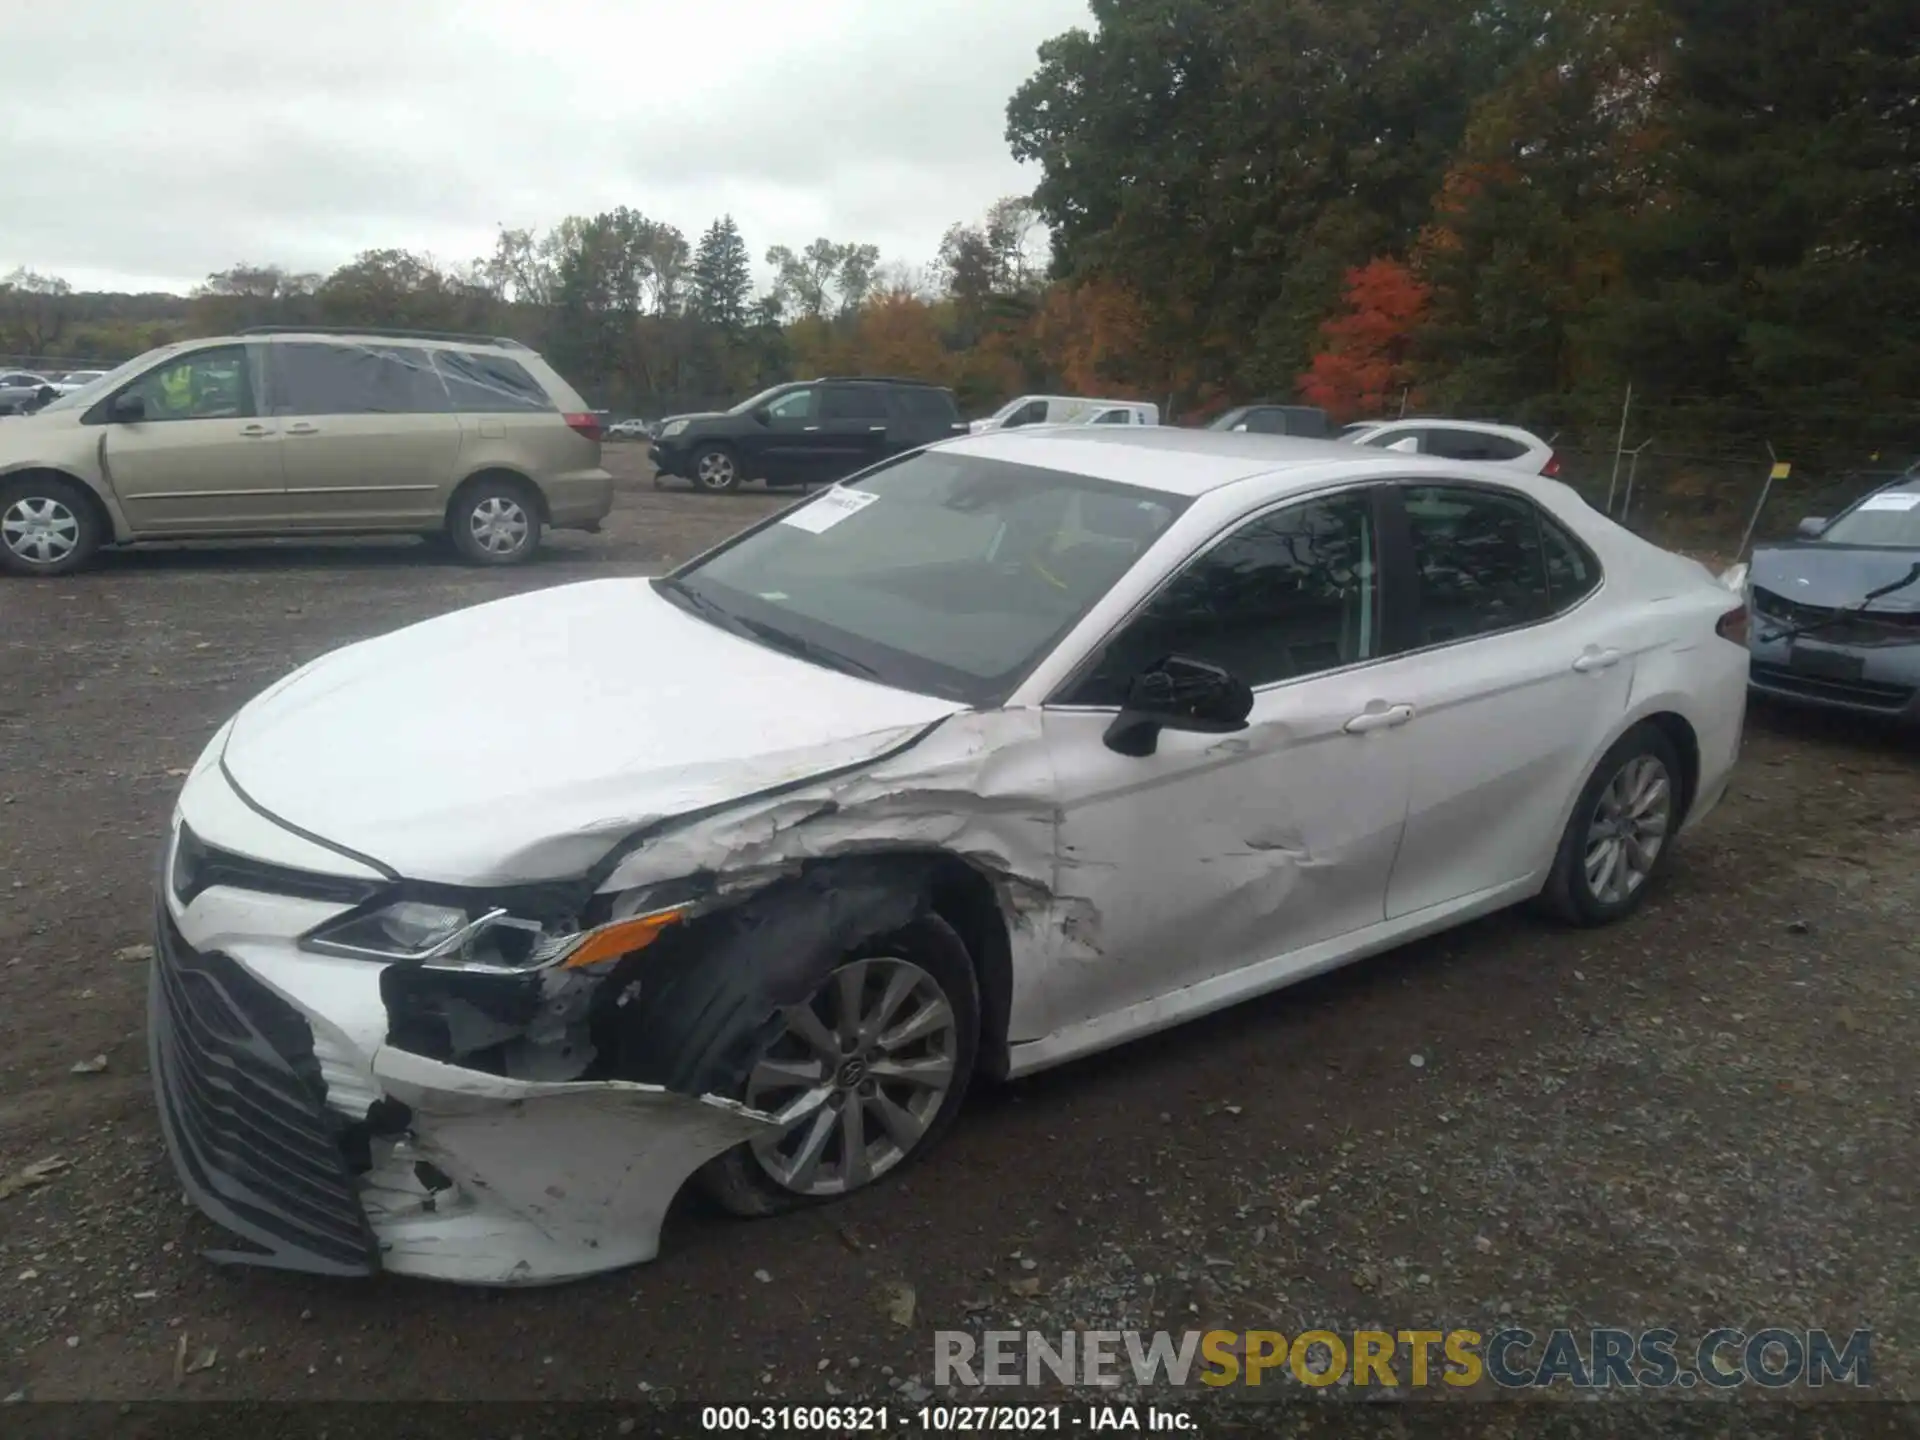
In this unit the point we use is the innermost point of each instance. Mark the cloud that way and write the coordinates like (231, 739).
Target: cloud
(153, 145)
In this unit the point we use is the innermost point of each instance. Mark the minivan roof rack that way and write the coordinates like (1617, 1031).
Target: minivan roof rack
(385, 333)
(878, 380)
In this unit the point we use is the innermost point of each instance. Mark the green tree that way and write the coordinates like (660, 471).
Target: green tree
(721, 285)
(1228, 160)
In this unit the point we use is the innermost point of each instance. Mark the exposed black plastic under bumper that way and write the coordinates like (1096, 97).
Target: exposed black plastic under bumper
(242, 1106)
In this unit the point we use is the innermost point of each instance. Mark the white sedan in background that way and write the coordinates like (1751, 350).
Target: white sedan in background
(1475, 440)
(476, 940)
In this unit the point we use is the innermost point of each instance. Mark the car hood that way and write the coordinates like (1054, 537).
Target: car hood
(1834, 576)
(21, 438)
(522, 739)
(695, 415)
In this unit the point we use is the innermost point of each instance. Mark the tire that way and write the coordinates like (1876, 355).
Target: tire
(715, 469)
(929, 956)
(1636, 783)
(48, 526)
(494, 521)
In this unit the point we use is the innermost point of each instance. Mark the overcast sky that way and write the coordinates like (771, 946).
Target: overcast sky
(143, 146)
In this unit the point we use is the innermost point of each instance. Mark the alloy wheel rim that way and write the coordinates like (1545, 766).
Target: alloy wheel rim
(40, 530)
(498, 525)
(858, 1073)
(716, 471)
(1628, 829)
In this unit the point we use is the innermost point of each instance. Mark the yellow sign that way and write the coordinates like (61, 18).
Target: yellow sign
(1782, 470)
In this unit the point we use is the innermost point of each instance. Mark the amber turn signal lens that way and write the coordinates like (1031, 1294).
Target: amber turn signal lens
(622, 937)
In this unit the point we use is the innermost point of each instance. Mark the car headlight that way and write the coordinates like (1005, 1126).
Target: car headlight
(452, 937)
(672, 428)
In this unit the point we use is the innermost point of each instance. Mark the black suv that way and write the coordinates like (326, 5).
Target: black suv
(805, 432)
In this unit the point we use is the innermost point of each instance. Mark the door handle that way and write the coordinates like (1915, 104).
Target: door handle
(1387, 717)
(1597, 660)
(876, 429)
(809, 428)
(303, 429)
(255, 430)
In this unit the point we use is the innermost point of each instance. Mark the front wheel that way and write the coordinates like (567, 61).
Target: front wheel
(716, 470)
(494, 522)
(1620, 835)
(873, 1066)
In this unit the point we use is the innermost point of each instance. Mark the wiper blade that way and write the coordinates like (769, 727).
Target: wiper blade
(691, 599)
(805, 649)
(1840, 617)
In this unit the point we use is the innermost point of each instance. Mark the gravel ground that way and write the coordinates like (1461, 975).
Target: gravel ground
(1704, 1116)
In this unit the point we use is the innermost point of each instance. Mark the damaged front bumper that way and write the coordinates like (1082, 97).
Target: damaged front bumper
(294, 1126)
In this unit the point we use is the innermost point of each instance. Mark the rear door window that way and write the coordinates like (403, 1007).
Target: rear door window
(854, 402)
(1479, 560)
(310, 378)
(925, 404)
(480, 383)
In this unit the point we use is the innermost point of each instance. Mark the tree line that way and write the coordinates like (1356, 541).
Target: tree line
(1515, 208)
(643, 321)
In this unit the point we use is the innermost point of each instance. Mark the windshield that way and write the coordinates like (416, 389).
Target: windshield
(1229, 420)
(1890, 519)
(941, 573)
(83, 397)
(755, 401)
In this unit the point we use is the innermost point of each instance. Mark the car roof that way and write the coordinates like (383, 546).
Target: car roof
(1176, 461)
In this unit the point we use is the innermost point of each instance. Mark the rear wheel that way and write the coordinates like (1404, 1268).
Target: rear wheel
(494, 521)
(47, 526)
(873, 1065)
(1620, 834)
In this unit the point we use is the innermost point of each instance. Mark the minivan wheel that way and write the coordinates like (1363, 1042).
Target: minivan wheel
(1620, 835)
(878, 1060)
(494, 522)
(47, 526)
(715, 469)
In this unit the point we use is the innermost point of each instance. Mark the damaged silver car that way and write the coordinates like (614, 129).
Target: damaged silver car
(478, 940)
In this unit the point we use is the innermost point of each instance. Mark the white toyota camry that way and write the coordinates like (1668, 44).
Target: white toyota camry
(477, 940)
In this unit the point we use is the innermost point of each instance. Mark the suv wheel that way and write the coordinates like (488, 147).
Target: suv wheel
(46, 526)
(716, 470)
(494, 522)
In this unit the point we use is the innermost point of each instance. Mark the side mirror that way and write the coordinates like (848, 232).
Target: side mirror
(1179, 694)
(762, 416)
(1408, 446)
(127, 409)
(1811, 526)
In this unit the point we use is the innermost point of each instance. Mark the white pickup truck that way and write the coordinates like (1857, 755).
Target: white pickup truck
(1068, 410)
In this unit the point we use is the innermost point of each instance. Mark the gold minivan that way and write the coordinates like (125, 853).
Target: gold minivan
(282, 431)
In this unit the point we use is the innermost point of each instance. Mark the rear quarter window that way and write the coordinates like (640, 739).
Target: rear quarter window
(480, 383)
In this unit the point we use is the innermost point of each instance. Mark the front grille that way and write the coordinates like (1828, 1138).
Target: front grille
(1868, 694)
(242, 1105)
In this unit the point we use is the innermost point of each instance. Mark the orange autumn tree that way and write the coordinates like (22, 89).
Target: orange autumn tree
(1091, 334)
(1365, 363)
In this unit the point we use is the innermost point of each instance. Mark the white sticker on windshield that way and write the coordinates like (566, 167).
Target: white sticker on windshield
(1897, 500)
(829, 509)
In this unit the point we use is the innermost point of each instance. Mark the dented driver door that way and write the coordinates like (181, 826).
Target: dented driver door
(1217, 852)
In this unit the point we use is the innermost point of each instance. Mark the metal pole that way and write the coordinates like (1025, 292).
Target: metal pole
(1633, 467)
(1626, 407)
(1773, 464)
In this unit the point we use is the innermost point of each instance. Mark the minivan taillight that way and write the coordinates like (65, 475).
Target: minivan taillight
(1733, 625)
(587, 425)
(1552, 468)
